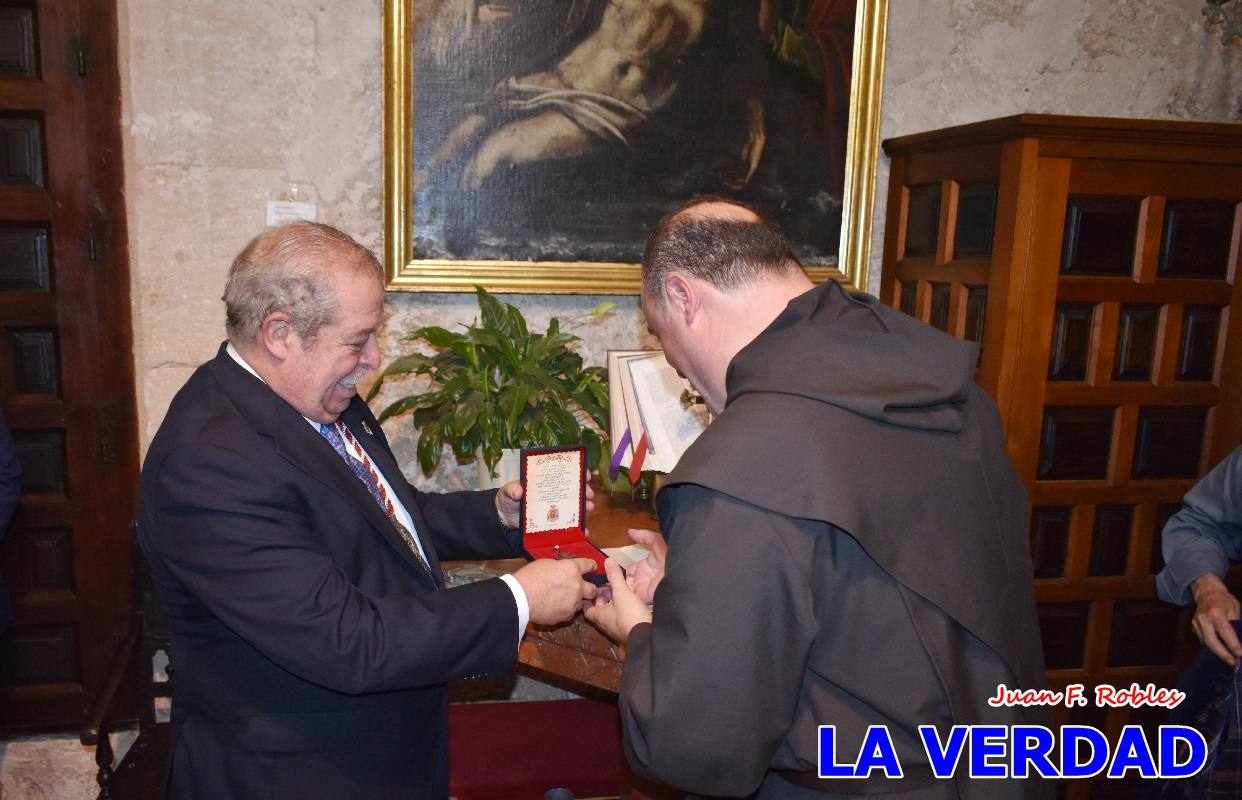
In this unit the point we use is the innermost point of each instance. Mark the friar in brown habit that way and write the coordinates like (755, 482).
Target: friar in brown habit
(846, 543)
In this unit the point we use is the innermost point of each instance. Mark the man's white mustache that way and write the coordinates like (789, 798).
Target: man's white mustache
(351, 380)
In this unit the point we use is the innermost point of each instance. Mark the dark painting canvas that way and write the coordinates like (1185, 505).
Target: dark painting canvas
(562, 130)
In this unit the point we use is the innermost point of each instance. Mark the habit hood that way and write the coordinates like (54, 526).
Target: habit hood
(851, 413)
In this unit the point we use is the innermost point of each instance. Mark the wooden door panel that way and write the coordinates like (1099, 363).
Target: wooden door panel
(66, 374)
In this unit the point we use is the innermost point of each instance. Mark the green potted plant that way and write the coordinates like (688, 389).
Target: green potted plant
(497, 385)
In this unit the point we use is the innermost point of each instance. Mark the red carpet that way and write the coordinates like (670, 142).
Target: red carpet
(517, 751)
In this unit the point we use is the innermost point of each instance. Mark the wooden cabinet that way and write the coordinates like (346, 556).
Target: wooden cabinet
(1096, 260)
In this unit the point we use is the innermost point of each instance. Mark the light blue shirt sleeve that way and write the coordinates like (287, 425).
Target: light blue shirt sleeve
(1206, 534)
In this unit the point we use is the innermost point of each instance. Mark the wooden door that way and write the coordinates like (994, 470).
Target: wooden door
(66, 362)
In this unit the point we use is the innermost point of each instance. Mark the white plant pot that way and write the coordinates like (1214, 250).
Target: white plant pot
(508, 468)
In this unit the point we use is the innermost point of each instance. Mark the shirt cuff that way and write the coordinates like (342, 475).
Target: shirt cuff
(523, 608)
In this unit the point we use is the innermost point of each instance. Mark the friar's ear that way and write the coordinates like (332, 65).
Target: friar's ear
(682, 296)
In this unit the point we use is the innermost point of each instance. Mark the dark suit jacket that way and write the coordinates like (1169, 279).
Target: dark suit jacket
(311, 649)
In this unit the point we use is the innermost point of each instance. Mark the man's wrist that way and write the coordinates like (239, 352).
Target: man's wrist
(500, 515)
(629, 628)
(520, 599)
(1206, 583)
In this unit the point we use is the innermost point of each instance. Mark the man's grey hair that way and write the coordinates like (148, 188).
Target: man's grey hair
(726, 251)
(292, 269)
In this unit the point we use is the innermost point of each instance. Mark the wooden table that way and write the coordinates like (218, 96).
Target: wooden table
(575, 653)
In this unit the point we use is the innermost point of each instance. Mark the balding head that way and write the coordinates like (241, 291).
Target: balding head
(721, 242)
(293, 269)
(714, 276)
(719, 208)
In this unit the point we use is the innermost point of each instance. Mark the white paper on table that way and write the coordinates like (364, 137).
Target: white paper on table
(626, 556)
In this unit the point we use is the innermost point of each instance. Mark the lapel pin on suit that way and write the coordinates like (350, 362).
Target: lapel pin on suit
(367, 428)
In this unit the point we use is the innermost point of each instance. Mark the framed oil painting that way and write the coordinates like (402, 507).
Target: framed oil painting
(532, 145)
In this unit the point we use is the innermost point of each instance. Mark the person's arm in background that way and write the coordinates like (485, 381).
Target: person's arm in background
(1198, 542)
(10, 476)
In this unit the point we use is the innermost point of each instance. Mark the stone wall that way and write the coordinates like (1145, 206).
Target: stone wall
(227, 103)
(951, 62)
(224, 104)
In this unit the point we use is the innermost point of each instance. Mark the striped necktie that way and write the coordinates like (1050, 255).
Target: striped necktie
(366, 473)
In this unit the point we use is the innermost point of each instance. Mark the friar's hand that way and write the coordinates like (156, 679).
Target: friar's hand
(616, 616)
(1215, 608)
(645, 576)
(555, 589)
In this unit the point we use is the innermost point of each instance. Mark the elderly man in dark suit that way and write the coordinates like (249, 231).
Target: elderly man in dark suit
(299, 571)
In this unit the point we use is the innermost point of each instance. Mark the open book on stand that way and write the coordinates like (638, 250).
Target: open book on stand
(653, 418)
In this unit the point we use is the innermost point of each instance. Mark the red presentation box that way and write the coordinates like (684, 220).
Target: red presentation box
(554, 507)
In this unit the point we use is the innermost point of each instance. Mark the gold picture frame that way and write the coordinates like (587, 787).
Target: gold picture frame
(407, 270)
